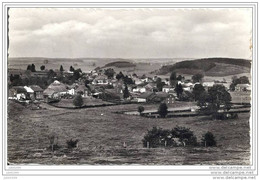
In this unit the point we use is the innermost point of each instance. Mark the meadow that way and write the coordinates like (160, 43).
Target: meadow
(102, 132)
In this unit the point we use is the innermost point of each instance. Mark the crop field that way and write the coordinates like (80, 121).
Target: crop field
(102, 132)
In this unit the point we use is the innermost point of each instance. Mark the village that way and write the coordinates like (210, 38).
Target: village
(108, 86)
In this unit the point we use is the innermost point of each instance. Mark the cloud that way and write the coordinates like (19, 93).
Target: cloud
(136, 33)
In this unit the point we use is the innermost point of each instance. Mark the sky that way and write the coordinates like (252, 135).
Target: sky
(130, 33)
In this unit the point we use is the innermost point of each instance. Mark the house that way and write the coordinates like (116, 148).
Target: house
(137, 80)
(18, 93)
(163, 97)
(110, 95)
(82, 90)
(166, 81)
(187, 86)
(149, 87)
(30, 92)
(243, 87)
(167, 88)
(208, 85)
(139, 88)
(37, 92)
(145, 97)
(100, 80)
(55, 90)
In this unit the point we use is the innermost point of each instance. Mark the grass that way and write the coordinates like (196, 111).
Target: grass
(101, 134)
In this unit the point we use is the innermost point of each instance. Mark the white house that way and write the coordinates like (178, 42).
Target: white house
(166, 89)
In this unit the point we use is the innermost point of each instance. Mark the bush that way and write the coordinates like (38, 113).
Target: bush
(208, 139)
(179, 136)
(72, 143)
(185, 135)
(163, 110)
(140, 109)
(78, 101)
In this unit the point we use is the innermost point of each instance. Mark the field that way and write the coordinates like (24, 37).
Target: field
(102, 133)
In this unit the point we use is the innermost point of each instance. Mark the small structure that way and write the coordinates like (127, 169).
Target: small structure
(37, 92)
(139, 88)
(17, 93)
(243, 87)
(100, 80)
(167, 88)
(54, 91)
(82, 90)
(163, 97)
(145, 97)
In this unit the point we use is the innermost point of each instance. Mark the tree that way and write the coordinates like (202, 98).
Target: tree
(128, 80)
(120, 76)
(76, 74)
(197, 78)
(78, 101)
(87, 82)
(51, 74)
(72, 69)
(42, 67)
(179, 90)
(163, 110)
(33, 68)
(197, 91)
(140, 109)
(208, 139)
(236, 80)
(109, 73)
(61, 68)
(126, 92)
(216, 98)
(179, 78)
(159, 84)
(173, 78)
(29, 67)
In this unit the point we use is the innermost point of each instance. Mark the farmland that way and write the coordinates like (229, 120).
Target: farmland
(102, 132)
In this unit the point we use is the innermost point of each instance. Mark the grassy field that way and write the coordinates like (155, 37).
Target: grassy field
(102, 132)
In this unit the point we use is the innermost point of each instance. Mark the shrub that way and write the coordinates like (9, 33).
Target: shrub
(163, 110)
(156, 137)
(140, 109)
(78, 101)
(185, 135)
(208, 139)
(72, 143)
(179, 136)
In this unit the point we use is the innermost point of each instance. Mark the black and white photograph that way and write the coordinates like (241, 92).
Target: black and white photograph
(129, 86)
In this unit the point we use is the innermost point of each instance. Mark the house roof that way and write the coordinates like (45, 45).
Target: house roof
(56, 86)
(162, 94)
(28, 89)
(167, 86)
(36, 88)
(19, 89)
(242, 85)
(81, 88)
(146, 95)
(100, 77)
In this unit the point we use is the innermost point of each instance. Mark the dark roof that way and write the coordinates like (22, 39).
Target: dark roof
(162, 94)
(36, 88)
(81, 88)
(146, 95)
(19, 89)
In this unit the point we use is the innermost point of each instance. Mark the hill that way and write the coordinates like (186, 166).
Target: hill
(120, 64)
(209, 66)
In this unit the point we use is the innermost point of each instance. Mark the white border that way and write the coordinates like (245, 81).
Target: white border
(130, 170)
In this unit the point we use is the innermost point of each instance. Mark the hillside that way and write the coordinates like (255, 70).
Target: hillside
(209, 66)
(120, 64)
